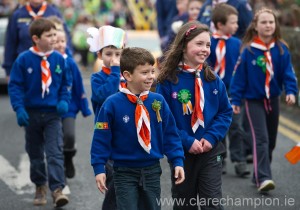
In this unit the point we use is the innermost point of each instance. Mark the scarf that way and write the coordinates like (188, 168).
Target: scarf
(197, 117)
(40, 12)
(267, 66)
(220, 54)
(142, 118)
(45, 68)
(122, 79)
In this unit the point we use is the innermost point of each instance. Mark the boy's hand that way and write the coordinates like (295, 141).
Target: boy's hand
(290, 99)
(115, 61)
(22, 117)
(179, 175)
(100, 181)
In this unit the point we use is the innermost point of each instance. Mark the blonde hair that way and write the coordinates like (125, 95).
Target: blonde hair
(251, 31)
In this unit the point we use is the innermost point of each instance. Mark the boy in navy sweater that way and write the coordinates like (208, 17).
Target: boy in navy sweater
(225, 50)
(108, 42)
(136, 137)
(39, 93)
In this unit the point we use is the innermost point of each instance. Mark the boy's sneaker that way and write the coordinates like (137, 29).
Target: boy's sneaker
(40, 195)
(59, 199)
(241, 169)
(266, 186)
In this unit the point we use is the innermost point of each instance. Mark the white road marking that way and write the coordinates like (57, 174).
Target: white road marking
(16, 179)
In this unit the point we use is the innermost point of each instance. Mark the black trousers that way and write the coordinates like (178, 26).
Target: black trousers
(203, 178)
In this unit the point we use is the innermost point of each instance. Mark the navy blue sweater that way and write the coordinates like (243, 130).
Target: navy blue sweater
(118, 139)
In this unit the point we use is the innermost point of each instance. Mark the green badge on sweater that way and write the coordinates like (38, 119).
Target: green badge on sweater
(58, 69)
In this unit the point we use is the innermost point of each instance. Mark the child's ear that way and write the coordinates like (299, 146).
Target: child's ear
(219, 25)
(35, 38)
(127, 75)
(99, 55)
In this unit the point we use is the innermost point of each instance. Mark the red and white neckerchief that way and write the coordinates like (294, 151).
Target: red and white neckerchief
(220, 54)
(40, 13)
(65, 55)
(45, 69)
(142, 118)
(197, 117)
(122, 79)
(259, 44)
(214, 3)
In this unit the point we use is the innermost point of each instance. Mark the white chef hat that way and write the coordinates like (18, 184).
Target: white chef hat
(106, 36)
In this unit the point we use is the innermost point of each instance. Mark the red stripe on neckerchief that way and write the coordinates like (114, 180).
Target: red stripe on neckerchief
(197, 117)
(142, 118)
(220, 54)
(259, 44)
(45, 69)
(122, 79)
(40, 13)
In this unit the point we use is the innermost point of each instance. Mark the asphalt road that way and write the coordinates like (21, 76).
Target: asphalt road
(16, 191)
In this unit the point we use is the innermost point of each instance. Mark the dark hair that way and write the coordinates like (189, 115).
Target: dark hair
(251, 31)
(221, 13)
(174, 55)
(109, 46)
(131, 57)
(39, 26)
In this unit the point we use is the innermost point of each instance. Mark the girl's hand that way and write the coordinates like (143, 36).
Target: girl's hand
(179, 175)
(206, 145)
(290, 99)
(236, 109)
(100, 181)
(196, 148)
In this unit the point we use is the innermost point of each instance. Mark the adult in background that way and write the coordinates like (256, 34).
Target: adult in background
(242, 6)
(166, 10)
(17, 35)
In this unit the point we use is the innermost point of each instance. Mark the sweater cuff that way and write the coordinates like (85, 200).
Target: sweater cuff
(177, 162)
(188, 143)
(98, 169)
(212, 139)
(115, 69)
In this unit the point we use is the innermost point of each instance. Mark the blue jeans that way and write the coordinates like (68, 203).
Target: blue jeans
(138, 188)
(44, 136)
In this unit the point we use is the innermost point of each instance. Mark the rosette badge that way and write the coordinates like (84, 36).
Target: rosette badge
(156, 106)
(184, 96)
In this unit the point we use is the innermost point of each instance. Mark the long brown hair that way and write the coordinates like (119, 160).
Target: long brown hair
(251, 32)
(169, 66)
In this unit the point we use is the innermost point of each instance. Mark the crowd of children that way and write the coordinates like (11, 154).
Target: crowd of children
(207, 83)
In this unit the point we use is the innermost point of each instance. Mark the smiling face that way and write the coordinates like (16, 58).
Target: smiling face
(141, 79)
(197, 50)
(265, 25)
